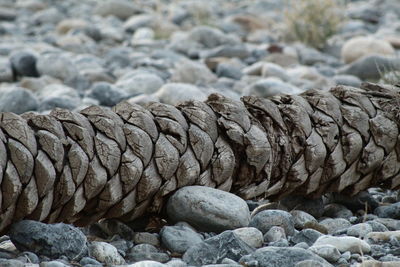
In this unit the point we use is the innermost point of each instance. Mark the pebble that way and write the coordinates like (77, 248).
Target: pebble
(370, 67)
(105, 253)
(208, 209)
(335, 225)
(31, 257)
(377, 226)
(270, 86)
(301, 218)
(56, 66)
(390, 211)
(279, 257)
(229, 71)
(175, 93)
(134, 23)
(308, 236)
(146, 263)
(391, 224)
(309, 263)
(141, 83)
(266, 219)
(178, 239)
(146, 238)
(24, 63)
(382, 236)
(274, 234)
(328, 252)
(89, 261)
(122, 9)
(107, 94)
(251, 236)
(192, 72)
(214, 249)
(359, 230)
(358, 47)
(11, 263)
(52, 264)
(374, 263)
(144, 252)
(274, 70)
(344, 243)
(50, 240)
(17, 100)
(348, 80)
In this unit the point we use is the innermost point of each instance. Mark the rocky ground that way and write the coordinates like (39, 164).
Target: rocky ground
(73, 53)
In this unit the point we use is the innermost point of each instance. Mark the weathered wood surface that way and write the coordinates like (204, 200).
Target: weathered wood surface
(124, 162)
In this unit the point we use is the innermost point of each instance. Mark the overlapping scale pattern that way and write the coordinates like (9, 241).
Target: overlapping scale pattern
(125, 162)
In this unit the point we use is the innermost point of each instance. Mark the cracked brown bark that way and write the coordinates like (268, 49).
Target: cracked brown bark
(125, 162)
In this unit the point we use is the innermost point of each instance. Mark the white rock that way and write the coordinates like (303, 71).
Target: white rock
(136, 22)
(141, 83)
(143, 34)
(105, 253)
(57, 90)
(252, 236)
(70, 24)
(328, 252)
(274, 70)
(174, 93)
(383, 236)
(254, 69)
(359, 47)
(143, 99)
(269, 87)
(344, 243)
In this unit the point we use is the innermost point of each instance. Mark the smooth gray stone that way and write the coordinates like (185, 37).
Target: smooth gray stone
(178, 239)
(208, 209)
(371, 67)
(391, 211)
(17, 100)
(24, 64)
(266, 219)
(107, 94)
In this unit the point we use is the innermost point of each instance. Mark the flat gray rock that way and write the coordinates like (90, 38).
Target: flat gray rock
(179, 238)
(266, 219)
(214, 249)
(50, 240)
(208, 209)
